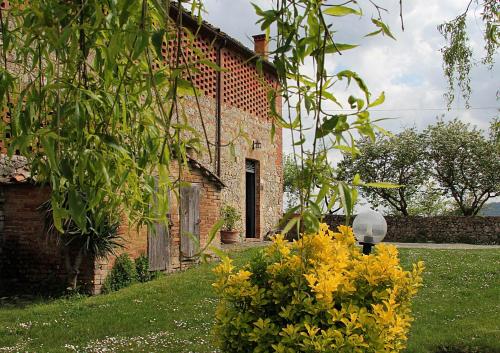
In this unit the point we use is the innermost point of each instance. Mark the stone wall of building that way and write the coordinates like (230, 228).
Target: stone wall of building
(441, 229)
(241, 128)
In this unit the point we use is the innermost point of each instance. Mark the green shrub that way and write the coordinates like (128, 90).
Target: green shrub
(122, 275)
(317, 294)
(142, 268)
(231, 216)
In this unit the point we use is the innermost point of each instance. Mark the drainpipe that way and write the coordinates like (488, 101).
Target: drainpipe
(218, 105)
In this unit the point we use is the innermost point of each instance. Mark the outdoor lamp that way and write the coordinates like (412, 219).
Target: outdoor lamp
(256, 145)
(369, 228)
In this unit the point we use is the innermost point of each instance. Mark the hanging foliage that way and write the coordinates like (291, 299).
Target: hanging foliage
(306, 34)
(457, 53)
(93, 104)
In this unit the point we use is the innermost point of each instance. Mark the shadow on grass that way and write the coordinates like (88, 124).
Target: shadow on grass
(464, 349)
(23, 301)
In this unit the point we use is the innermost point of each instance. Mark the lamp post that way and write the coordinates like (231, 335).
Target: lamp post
(369, 228)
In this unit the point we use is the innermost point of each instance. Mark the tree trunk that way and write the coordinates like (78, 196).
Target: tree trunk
(73, 268)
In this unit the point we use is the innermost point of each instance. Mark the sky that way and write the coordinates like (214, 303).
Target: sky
(409, 70)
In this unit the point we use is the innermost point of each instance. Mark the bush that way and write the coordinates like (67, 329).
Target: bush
(142, 268)
(231, 216)
(316, 294)
(122, 275)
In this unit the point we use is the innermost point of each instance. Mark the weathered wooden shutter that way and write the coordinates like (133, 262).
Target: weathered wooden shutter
(158, 244)
(190, 219)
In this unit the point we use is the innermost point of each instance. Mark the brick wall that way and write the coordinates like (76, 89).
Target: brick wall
(32, 263)
(445, 229)
(209, 215)
(135, 243)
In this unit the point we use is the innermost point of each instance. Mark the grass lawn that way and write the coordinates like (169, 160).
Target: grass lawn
(459, 306)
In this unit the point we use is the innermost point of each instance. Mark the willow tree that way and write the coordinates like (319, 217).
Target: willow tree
(93, 104)
(458, 56)
(305, 39)
(96, 109)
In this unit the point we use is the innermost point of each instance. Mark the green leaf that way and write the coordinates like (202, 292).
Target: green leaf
(373, 33)
(327, 126)
(339, 10)
(383, 27)
(290, 224)
(378, 101)
(213, 232)
(333, 48)
(77, 208)
(157, 41)
(346, 199)
(140, 44)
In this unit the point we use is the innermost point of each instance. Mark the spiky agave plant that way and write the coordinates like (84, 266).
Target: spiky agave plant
(99, 239)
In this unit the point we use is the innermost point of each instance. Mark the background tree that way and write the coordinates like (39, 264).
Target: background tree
(430, 201)
(495, 131)
(396, 159)
(291, 177)
(457, 53)
(465, 163)
(294, 176)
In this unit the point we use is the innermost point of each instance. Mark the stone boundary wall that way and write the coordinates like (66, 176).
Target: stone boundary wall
(439, 229)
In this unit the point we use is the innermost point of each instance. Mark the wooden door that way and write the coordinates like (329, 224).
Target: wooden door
(159, 243)
(190, 220)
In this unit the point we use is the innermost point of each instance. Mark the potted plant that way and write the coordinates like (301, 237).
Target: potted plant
(230, 216)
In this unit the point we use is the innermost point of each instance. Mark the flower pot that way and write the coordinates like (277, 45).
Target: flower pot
(229, 236)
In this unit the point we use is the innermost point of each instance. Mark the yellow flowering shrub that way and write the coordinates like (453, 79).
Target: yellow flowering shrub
(316, 294)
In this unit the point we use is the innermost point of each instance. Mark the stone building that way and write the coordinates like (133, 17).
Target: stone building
(233, 102)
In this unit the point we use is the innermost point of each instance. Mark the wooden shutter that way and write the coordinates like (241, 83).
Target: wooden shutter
(158, 244)
(190, 219)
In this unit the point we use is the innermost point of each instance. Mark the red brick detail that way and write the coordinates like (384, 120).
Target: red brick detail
(194, 50)
(243, 87)
(261, 45)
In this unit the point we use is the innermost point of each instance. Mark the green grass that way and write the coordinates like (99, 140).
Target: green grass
(457, 307)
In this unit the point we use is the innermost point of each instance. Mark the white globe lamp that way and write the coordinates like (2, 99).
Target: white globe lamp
(369, 228)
